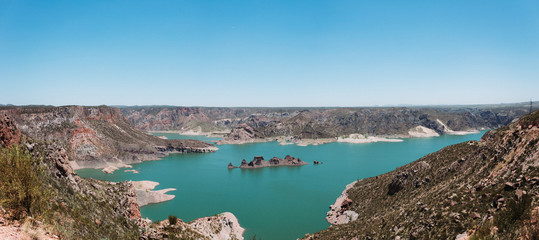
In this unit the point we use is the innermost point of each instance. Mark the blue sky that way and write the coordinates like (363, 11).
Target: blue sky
(268, 53)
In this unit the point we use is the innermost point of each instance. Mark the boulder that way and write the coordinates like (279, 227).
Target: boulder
(398, 182)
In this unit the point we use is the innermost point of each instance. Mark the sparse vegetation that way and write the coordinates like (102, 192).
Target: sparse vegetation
(21, 188)
(516, 211)
(172, 220)
(29, 191)
(487, 189)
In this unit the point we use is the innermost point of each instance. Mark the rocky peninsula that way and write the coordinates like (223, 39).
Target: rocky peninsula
(259, 162)
(147, 195)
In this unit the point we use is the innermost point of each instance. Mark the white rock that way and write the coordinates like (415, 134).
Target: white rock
(222, 226)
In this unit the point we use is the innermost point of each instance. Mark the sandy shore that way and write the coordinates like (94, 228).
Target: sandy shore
(314, 142)
(449, 131)
(193, 133)
(309, 141)
(421, 131)
(111, 168)
(146, 195)
(359, 138)
(462, 132)
(254, 140)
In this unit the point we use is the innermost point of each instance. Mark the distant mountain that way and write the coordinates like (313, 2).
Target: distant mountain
(315, 123)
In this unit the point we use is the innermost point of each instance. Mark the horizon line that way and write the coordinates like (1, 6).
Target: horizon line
(199, 106)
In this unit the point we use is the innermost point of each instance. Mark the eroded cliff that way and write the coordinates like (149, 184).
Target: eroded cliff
(96, 136)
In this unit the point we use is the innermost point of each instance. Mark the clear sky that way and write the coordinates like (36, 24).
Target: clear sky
(268, 53)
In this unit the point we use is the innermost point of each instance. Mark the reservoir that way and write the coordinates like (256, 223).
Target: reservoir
(276, 202)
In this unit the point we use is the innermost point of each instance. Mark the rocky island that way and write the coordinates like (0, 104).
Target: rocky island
(259, 162)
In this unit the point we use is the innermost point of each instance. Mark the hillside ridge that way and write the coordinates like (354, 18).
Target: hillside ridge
(96, 137)
(476, 189)
(296, 125)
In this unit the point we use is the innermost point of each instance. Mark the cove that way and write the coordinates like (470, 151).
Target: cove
(276, 202)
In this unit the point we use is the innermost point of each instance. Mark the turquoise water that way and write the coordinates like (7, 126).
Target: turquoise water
(273, 203)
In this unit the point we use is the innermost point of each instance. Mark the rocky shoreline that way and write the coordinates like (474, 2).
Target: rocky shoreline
(339, 212)
(316, 123)
(259, 162)
(245, 134)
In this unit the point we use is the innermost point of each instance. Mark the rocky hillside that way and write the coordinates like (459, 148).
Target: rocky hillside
(315, 123)
(42, 198)
(484, 189)
(194, 119)
(96, 136)
(62, 203)
(399, 122)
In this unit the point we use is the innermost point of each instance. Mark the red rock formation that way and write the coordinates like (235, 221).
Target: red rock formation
(132, 204)
(96, 136)
(9, 134)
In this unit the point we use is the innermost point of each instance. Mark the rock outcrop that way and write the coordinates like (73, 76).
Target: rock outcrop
(339, 212)
(478, 189)
(96, 137)
(222, 226)
(240, 134)
(259, 162)
(9, 134)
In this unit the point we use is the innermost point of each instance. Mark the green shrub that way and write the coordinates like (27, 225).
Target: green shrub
(21, 188)
(172, 220)
(516, 211)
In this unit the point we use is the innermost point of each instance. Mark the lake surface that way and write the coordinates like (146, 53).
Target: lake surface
(273, 203)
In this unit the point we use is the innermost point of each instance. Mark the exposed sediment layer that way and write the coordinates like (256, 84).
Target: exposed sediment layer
(359, 138)
(146, 195)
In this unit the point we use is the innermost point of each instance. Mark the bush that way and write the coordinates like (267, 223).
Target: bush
(516, 211)
(21, 188)
(172, 220)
